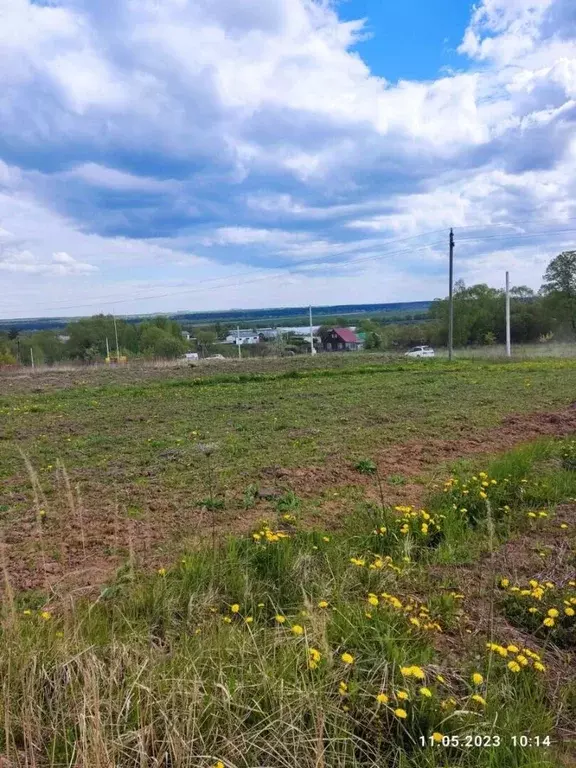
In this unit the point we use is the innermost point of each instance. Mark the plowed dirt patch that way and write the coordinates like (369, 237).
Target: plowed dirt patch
(75, 550)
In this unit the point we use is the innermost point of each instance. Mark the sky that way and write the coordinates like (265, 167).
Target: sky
(182, 155)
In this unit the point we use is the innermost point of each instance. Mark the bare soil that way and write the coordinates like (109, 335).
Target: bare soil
(78, 545)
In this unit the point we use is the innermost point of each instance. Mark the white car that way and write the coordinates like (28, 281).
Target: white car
(420, 352)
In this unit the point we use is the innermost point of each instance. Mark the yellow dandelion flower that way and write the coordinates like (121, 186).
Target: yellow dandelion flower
(477, 678)
(248, 619)
(326, 538)
(440, 679)
(549, 621)
(323, 604)
(227, 620)
(563, 526)
(297, 629)
(513, 666)
(314, 654)
(532, 610)
(522, 660)
(27, 612)
(401, 713)
(538, 666)
(426, 692)
(513, 649)
(382, 698)
(219, 764)
(46, 615)
(569, 611)
(161, 571)
(504, 583)
(483, 495)
(347, 658)
(235, 608)
(553, 613)
(479, 699)
(342, 688)
(280, 619)
(373, 600)
(402, 695)
(437, 737)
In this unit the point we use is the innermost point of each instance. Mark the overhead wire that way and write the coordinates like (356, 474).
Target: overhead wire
(307, 263)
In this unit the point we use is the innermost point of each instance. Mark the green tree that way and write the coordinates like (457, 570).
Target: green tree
(205, 340)
(559, 288)
(373, 340)
(52, 350)
(160, 342)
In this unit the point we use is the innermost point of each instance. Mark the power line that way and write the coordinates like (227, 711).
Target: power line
(308, 263)
(515, 236)
(292, 265)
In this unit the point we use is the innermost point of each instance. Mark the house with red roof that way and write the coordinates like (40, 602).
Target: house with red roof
(341, 340)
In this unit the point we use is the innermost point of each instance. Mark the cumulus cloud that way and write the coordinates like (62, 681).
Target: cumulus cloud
(26, 262)
(228, 138)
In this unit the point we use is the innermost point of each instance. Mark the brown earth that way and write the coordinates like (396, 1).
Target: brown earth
(78, 544)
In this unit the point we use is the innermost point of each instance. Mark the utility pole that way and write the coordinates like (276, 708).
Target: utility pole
(238, 342)
(451, 299)
(32, 357)
(116, 335)
(508, 335)
(312, 350)
(107, 350)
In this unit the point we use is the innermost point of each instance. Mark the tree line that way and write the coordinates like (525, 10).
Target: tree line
(479, 318)
(479, 314)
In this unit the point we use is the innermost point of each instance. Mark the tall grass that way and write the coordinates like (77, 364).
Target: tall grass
(286, 647)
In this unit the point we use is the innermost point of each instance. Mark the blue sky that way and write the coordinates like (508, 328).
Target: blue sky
(412, 39)
(206, 154)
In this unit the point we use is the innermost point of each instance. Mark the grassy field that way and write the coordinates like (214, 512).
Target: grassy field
(407, 603)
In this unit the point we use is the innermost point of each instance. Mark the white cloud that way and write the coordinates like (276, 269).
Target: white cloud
(140, 139)
(26, 262)
(111, 178)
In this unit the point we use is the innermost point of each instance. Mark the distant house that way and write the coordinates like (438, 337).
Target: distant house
(242, 337)
(186, 335)
(340, 340)
(298, 330)
(268, 334)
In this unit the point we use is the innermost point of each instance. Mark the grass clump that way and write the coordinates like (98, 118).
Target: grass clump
(543, 608)
(288, 647)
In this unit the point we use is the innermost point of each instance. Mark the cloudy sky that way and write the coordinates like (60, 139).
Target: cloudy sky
(165, 155)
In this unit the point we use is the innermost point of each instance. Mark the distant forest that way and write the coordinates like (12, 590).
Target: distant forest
(243, 317)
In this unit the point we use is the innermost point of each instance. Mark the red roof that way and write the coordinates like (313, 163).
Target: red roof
(346, 335)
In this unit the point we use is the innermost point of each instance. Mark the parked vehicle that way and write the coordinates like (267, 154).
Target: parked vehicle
(420, 352)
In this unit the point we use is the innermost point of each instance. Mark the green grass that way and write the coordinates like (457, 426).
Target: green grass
(143, 437)
(191, 665)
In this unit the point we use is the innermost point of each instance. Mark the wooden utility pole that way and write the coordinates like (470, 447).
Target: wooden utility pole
(312, 350)
(451, 299)
(508, 333)
(238, 342)
(116, 335)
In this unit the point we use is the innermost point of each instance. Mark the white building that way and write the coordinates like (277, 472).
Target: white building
(242, 337)
(299, 330)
